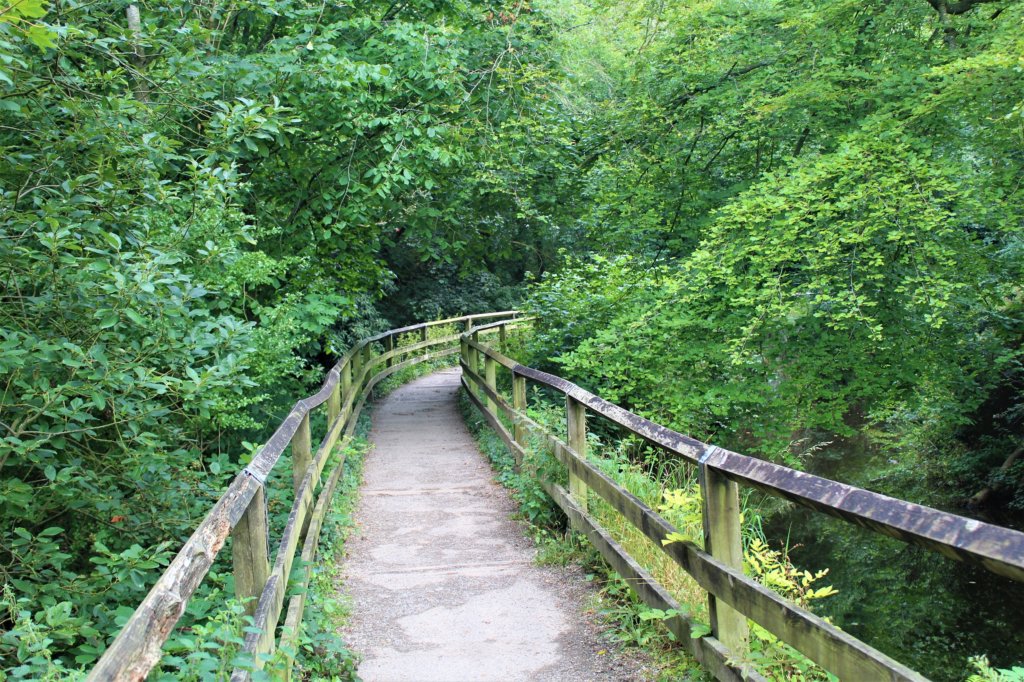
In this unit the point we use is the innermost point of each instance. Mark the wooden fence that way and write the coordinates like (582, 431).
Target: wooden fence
(718, 567)
(241, 512)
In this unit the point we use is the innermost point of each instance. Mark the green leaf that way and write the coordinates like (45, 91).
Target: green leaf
(108, 319)
(42, 37)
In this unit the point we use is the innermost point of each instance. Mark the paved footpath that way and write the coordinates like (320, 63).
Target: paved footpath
(441, 579)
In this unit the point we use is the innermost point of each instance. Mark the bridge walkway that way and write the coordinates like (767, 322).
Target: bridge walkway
(442, 580)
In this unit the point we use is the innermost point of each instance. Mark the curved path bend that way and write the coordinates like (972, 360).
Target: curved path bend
(442, 581)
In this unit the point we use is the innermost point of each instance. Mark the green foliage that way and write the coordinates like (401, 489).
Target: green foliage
(772, 221)
(211, 649)
(983, 672)
(802, 225)
(30, 638)
(198, 213)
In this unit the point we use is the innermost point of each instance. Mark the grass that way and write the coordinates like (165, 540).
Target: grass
(667, 572)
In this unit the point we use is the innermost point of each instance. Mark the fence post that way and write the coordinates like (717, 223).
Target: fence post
(423, 335)
(722, 539)
(476, 353)
(576, 428)
(250, 553)
(346, 381)
(503, 339)
(473, 361)
(519, 403)
(301, 452)
(489, 364)
(469, 325)
(333, 405)
(357, 369)
(389, 345)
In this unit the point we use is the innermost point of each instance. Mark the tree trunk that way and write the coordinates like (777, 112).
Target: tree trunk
(983, 496)
(135, 27)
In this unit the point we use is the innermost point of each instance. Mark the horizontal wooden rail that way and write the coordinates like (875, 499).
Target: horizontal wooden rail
(733, 597)
(241, 510)
(1000, 550)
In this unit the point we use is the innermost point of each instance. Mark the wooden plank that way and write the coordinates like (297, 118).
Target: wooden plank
(267, 619)
(491, 353)
(271, 602)
(474, 363)
(518, 452)
(346, 380)
(707, 650)
(357, 369)
(296, 605)
(1000, 550)
(301, 452)
(250, 552)
(722, 539)
(512, 314)
(334, 404)
(519, 407)
(514, 320)
(576, 429)
(137, 648)
(480, 387)
(405, 350)
(656, 434)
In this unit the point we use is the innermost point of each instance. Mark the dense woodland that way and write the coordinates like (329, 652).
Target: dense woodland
(774, 225)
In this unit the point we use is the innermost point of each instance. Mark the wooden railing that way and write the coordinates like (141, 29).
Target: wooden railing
(718, 567)
(241, 512)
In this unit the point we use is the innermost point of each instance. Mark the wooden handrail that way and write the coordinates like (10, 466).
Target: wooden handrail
(241, 511)
(717, 568)
(999, 549)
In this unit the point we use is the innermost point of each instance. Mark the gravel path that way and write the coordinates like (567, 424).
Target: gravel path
(441, 579)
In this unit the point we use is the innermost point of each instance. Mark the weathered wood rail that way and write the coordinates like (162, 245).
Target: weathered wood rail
(733, 598)
(241, 512)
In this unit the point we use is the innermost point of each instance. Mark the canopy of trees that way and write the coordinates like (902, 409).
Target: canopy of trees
(805, 216)
(202, 203)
